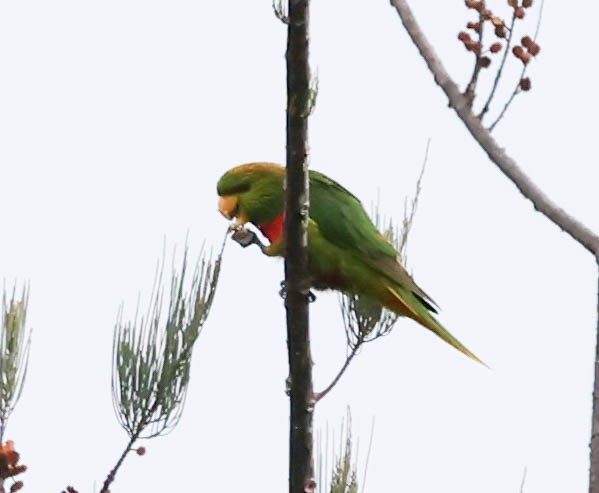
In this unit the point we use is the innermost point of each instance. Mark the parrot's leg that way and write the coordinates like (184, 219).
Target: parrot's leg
(283, 293)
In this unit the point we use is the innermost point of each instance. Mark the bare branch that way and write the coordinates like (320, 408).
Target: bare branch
(299, 105)
(594, 469)
(582, 234)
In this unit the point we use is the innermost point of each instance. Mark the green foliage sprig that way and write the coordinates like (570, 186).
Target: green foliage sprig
(15, 341)
(152, 353)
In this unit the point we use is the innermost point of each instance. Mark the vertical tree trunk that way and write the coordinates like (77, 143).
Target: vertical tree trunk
(301, 470)
(594, 470)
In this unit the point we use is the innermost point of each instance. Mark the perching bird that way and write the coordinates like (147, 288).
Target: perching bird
(345, 250)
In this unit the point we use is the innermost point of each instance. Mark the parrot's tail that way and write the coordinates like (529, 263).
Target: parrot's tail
(407, 304)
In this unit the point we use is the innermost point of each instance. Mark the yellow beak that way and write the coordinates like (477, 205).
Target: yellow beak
(228, 207)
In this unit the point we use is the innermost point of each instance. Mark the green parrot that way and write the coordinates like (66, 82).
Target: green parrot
(345, 250)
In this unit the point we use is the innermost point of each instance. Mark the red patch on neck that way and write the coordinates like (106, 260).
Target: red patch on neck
(274, 229)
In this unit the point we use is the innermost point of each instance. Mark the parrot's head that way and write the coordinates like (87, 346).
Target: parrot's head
(251, 193)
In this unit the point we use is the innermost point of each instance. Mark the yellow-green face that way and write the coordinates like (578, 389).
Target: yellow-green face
(251, 193)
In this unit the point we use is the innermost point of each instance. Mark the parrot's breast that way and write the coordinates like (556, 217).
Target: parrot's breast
(274, 229)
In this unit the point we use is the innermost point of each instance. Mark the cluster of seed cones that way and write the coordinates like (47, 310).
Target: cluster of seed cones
(9, 465)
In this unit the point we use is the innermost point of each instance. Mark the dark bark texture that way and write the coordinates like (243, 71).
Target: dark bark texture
(594, 470)
(301, 469)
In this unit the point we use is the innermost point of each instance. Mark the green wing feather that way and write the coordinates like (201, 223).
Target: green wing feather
(350, 228)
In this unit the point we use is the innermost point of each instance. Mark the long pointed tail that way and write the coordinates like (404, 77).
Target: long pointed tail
(406, 303)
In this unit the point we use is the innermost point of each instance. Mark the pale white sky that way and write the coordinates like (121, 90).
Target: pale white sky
(116, 120)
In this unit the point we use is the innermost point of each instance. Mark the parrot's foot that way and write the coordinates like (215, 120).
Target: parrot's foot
(283, 293)
(246, 237)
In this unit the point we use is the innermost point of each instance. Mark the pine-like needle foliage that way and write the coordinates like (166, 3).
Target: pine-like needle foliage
(152, 354)
(342, 476)
(15, 341)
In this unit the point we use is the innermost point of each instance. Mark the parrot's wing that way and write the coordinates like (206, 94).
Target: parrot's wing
(342, 220)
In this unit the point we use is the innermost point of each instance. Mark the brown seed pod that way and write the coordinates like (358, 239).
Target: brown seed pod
(518, 51)
(500, 31)
(512, 3)
(475, 26)
(527, 41)
(520, 12)
(526, 3)
(485, 61)
(464, 37)
(495, 48)
(16, 486)
(534, 49)
(525, 84)
(497, 21)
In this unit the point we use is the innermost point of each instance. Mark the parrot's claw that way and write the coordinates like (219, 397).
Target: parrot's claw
(246, 237)
(283, 290)
(283, 293)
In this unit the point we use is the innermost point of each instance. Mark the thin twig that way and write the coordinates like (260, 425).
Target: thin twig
(522, 73)
(523, 481)
(368, 456)
(510, 99)
(471, 88)
(408, 219)
(500, 70)
(348, 360)
(112, 474)
(577, 230)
